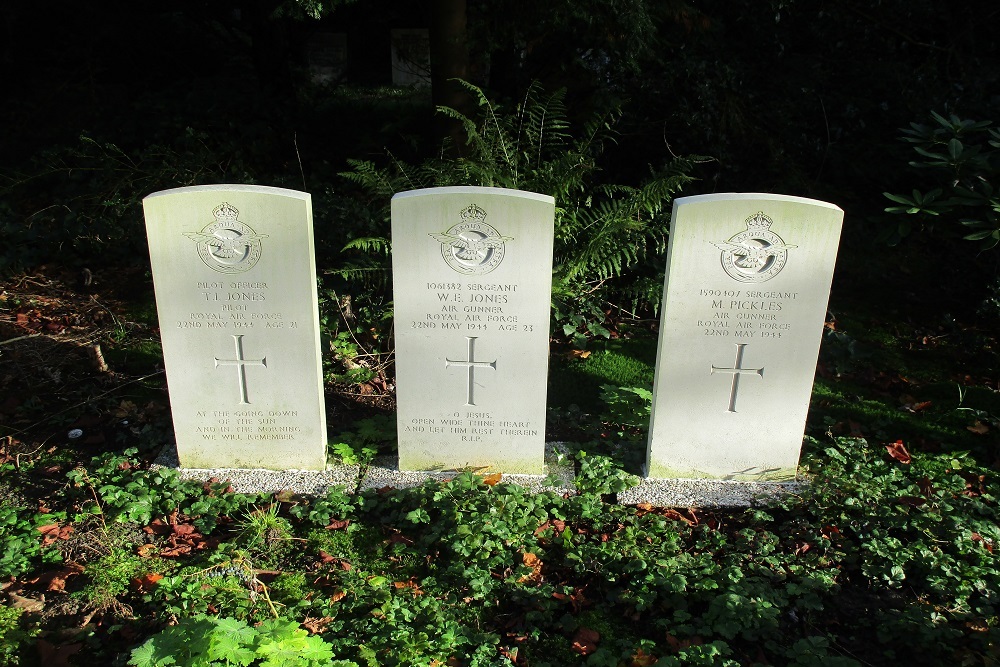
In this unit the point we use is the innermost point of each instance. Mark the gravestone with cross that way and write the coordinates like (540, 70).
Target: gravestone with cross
(472, 276)
(235, 280)
(744, 305)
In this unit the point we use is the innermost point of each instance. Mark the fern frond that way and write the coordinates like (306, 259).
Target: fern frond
(370, 244)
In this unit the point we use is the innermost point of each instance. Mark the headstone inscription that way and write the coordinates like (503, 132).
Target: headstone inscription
(744, 305)
(472, 279)
(235, 279)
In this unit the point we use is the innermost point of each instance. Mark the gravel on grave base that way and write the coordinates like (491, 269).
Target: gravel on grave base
(381, 473)
(243, 480)
(384, 472)
(708, 493)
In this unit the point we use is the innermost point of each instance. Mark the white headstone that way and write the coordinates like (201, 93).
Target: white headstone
(748, 280)
(411, 57)
(235, 279)
(472, 276)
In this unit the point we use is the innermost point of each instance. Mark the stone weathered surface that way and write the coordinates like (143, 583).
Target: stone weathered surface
(235, 279)
(748, 280)
(472, 276)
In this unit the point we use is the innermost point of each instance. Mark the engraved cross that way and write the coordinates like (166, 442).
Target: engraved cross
(241, 365)
(472, 365)
(736, 372)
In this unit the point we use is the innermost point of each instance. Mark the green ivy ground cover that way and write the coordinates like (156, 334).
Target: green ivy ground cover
(888, 558)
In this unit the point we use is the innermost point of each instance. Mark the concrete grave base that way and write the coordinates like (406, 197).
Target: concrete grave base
(703, 493)
(707, 493)
(382, 472)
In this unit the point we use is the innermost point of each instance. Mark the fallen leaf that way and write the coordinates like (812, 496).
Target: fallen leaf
(53, 532)
(897, 450)
(146, 551)
(318, 625)
(157, 527)
(145, 582)
(56, 579)
(642, 659)
(979, 428)
(338, 596)
(677, 516)
(339, 524)
(976, 537)
(179, 550)
(578, 354)
(585, 641)
(408, 584)
(184, 529)
(535, 563)
(492, 480)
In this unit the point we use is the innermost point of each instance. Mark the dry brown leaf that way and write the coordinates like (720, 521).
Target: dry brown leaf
(339, 524)
(184, 529)
(54, 532)
(146, 581)
(338, 596)
(535, 563)
(56, 579)
(642, 659)
(317, 625)
(146, 551)
(408, 584)
(897, 450)
(979, 428)
(585, 641)
(492, 480)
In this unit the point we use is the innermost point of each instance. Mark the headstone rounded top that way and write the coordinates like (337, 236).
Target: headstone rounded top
(261, 189)
(749, 196)
(475, 190)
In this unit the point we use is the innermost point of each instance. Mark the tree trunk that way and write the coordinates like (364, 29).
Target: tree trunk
(450, 60)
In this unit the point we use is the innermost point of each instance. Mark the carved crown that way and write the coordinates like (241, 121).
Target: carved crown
(225, 212)
(473, 214)
(759, 221)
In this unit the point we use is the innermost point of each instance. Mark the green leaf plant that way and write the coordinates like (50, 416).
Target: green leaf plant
(603, 231)
(961, 158)
(205, 641)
